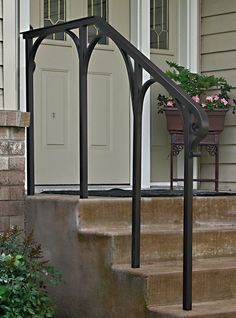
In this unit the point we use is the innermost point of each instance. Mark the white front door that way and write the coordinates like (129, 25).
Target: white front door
(56, 98)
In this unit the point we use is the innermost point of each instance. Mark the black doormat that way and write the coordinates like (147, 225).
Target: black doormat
(121, 193)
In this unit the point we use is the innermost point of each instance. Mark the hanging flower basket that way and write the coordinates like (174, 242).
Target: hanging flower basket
(197, 86)
(216, 120)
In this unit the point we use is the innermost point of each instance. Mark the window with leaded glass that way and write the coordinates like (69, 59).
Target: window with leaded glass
(55, 13)
(97, 8)
(159, 24)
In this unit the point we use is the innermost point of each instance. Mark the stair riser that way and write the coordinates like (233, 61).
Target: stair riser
(169, 246)
(207, 286)
(117, 212)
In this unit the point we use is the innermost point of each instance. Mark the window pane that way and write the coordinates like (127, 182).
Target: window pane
(55, 13)
(62, 10)
(97, 8)
(159, 24)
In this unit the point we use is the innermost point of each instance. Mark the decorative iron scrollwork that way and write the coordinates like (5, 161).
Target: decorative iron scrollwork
(212, 149)
(176, 149)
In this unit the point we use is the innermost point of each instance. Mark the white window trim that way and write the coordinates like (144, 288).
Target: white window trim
(172, 27)
(24, 25)
(10, 64)
(140, 37)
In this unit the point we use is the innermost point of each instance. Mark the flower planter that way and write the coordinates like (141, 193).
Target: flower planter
(216, 120)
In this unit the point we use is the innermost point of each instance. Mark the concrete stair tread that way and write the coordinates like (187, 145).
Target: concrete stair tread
(116, 211)
(167, 267)
(114, 230)
(219, 309)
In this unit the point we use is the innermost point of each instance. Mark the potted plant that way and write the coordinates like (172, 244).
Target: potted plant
(24, 277)
(197, 86)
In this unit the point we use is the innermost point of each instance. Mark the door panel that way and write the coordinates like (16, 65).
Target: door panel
(56, 116)
(56, 105)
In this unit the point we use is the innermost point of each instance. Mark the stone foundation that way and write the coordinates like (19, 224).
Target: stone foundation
(12, 168)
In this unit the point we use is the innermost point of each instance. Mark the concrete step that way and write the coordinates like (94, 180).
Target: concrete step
(103, 212)
(90, 246)
(164, 242)
(213, 279)
(117, 211)
(213, 309)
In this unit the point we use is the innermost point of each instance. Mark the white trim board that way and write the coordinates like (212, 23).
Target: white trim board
(10, 38)
(188, 55)
(140, 37)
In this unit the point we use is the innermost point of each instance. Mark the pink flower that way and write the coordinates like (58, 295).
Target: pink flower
(224, 101)
(215, 97)
(196, 98)
(170, 103)
(209, 98)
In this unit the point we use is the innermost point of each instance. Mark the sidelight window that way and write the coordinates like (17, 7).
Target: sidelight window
(55, 13)
(97, 8)
(159, 24)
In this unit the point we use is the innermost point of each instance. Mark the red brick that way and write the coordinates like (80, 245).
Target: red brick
(11, 118)
(16, 148)
(17, 133)
(16, 177)
(14, 118)
(16, 163)
(4, 147)
(4, 163)
(17, 192)
(12, 208)
(3, 118)
(24, 120)
(12, 177)
(4, 178)
(4, 193)
(4, 132)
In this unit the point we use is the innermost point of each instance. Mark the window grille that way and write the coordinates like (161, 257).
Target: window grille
(97, 8)
(55, 13)
(159, 24)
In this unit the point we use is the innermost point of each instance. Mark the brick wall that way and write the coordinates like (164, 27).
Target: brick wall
(12, 168)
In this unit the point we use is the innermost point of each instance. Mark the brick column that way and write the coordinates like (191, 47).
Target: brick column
(12, 168)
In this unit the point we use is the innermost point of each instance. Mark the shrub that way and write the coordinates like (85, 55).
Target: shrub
(24, 277)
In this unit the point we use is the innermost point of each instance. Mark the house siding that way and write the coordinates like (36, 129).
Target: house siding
(218, 57)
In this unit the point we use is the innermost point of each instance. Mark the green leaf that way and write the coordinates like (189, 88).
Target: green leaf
(3, 290)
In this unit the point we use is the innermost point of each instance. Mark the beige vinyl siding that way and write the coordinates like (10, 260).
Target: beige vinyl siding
(218, 57)
(217, 7)
(1, 56)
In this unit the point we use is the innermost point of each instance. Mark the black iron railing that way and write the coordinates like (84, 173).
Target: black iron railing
(136, 64)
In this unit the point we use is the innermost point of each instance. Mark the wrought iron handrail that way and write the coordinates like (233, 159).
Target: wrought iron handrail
(136, 63)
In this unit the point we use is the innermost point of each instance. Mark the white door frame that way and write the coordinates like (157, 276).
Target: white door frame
(188, 54)
(24, 25)
(10, 54)
(140, 37)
